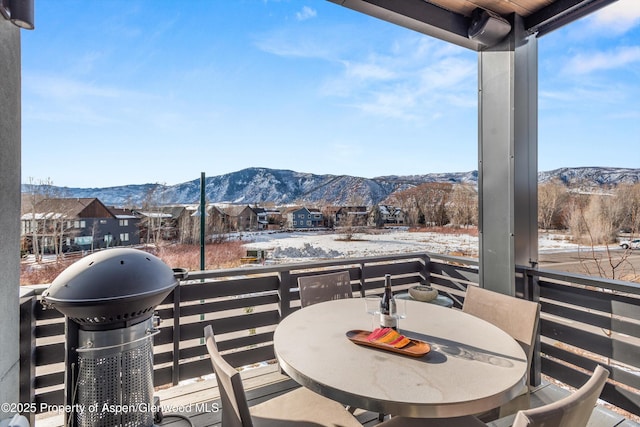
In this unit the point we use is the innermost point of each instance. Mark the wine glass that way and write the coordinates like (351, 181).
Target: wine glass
(401, 310)
(372, 307)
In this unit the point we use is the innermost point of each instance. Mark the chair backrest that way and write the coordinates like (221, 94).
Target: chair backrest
(571, 411)
(235, 410)
(324, 287)
(517, 317)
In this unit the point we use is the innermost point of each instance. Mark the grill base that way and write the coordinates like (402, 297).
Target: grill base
(115, 377)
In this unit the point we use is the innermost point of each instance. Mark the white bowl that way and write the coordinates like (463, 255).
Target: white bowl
(423, 293)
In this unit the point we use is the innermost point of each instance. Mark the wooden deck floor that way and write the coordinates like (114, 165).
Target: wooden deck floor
(260, 384)
(199, 400)
(197, 403)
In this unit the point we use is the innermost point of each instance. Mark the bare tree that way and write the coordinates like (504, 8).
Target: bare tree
(154, 220)
(593, 221)
(550, 198)
(33, 198)
(95, 228)
(39, 190)
(628, 198)
(425, 203)
(408, 202)
(375, 217)
(574, 216)
(462, 209)
(353, 217)
(432, 201)
(218, 225)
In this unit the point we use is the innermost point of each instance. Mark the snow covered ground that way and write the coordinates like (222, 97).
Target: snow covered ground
(307, 246)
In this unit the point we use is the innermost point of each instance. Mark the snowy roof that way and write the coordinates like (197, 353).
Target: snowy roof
(126, 216)
(155, 214)
(42, 215)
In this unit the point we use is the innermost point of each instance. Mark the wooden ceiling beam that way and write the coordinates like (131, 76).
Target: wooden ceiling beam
(560, 13)
(419, 16)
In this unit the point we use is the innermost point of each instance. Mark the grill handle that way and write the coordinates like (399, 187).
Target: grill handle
(149, 333)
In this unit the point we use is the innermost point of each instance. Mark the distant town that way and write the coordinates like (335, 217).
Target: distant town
(56, 220)
(59, 225)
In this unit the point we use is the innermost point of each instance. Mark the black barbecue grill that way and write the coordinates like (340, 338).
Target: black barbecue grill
(108, 299)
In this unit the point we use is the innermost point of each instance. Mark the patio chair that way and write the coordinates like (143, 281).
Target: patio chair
(517, 317)
(300, 407)
(571, 411)
(324, 287)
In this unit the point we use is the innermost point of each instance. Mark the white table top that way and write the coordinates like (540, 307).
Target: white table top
(472, 367)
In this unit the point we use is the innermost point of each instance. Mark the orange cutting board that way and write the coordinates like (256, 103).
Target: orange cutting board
(415, 348)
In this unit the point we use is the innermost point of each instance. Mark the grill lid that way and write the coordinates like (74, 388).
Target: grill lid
(114, 286)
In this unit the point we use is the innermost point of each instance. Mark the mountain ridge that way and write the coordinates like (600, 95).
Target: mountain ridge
(283, 186)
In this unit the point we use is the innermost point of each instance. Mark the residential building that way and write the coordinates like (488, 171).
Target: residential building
(391, 214)
(275, 220)
(331, 215)
(55, 225)
(241, 217)
(305, 218)
(128, 232)
(216, 224)
(352, 216)
(261, 214)
(162, 223)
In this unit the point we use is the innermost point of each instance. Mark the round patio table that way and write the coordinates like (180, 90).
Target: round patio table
(473, 366)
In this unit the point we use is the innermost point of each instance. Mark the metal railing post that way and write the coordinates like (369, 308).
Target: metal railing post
(175, 370)
(426, 272)
(362, 284)
(27, 354)
(531, 292)
(284, 294)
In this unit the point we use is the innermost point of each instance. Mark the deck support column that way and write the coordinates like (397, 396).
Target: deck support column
(10, 62)
(507, 158)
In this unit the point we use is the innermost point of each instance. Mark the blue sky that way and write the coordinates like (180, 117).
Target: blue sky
(156, 91)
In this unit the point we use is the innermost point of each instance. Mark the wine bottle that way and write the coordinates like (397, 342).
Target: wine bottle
(388, 306)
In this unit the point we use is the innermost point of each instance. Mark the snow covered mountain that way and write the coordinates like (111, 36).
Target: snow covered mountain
(592, 177)
(262, 185)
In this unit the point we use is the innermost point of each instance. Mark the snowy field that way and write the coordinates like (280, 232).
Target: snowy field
(308, 246)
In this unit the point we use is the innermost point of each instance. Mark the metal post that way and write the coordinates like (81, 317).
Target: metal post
(28, 352)
(9, 213)
(203, 210)
(507, 180)
(71, 332)
(362, 282)
(175, 371)
(284, 293)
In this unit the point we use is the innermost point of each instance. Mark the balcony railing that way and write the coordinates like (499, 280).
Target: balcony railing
(585, 321)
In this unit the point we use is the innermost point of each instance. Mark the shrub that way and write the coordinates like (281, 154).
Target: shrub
(217, 255)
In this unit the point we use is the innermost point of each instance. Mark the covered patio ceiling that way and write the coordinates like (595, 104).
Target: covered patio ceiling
(450, 20)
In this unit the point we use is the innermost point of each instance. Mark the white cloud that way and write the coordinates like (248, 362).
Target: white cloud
(448, 73)
(408, 84)
(63, 88)
(368, 71)
(590, 62)
(405, 78)
(282, 43)
(306, 13)
(618, 17)
(570, 97)
(393, 104)
(53, 98)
